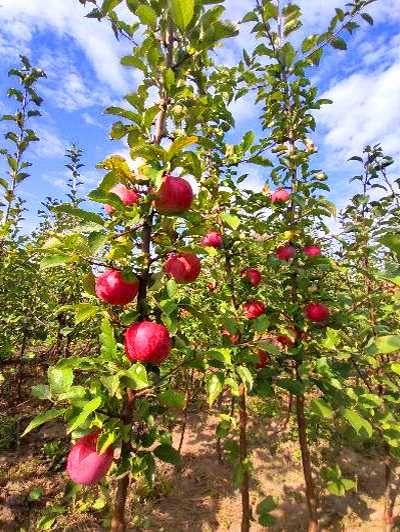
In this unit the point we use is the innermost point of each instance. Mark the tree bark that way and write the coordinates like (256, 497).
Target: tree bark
(244, 489)
(389, 500)
(306, 461)
(118, 522)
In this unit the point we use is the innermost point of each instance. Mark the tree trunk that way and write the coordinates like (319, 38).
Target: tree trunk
(244, 489)
(21, 364)
(306, 460)
(189, 383)
(118, 522)
(389, 500)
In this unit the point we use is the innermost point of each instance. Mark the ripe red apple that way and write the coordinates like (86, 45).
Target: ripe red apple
(183, 267)
(212, 286)
(212, 239)
(175, 195)
(285, 253)
(112, 288)
(285, 340)
(84, 464)
(316, 312)
(253, 309)
(148, 342)
(280, 195)
(312, 251)
(252, 275)
(232, 337)
(262, 359)
(128, 196)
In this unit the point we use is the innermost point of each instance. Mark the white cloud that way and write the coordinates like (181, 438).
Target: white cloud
(22, 18)
(50, 145)
(366, 110)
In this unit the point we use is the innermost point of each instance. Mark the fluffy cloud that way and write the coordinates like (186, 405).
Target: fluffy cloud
(366, 110)
(50, 145)
(20, 19)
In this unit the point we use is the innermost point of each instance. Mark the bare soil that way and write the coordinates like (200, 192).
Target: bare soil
(197, 497)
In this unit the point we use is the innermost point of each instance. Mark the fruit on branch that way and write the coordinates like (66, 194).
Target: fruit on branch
(285, 340)
(252, 275)
(128, 196)
(175, 195)
(183, 267)
(148, 342)
(280, 196)
(285, 253)
(112, 288)
(253, 309)
(316, 312)
(212, 239)
(84, 464)
(262, 359)
(212, 286)
(232, 337)
(312, 251)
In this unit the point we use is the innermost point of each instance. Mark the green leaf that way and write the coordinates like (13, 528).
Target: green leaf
(44, 417)
(214, 386)
(35, 494)
(56, 260)
(245, 376)
(85, 311)
(368, 18)
(108, 5)
(136, 376)
(338, 43)
(41, 391)
(88, 409)
(168, 454)
(384, 344)
(173, 399)
(357, 422)
(395, 367)
(320, 407)
(147, 15)
(392, 241)
(108, 343)
(231, 220)
(182, 12)
(60, 379)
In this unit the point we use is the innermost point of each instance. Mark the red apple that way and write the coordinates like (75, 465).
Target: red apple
(316, 312)
(175, 195)
(285, 253)
(84, 464)
(112, 288)
(183, 267)
(280, 196)
(212, 286)
(252, 275)
(232, 337)
(212, 239)
(253, 309)
(148, 342)
(285, 340)
(262, 359)
(128, 196)
(312, 251)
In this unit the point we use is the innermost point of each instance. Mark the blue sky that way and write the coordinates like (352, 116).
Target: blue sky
(81, 58)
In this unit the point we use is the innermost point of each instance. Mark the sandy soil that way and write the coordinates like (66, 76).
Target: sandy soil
(198, 497)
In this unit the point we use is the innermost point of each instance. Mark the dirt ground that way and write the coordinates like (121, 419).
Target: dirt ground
(198, 497)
